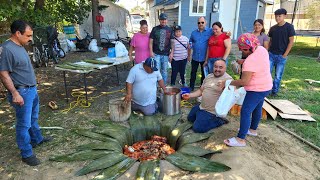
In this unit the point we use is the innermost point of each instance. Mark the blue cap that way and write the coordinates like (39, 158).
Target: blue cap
(163, 16)
(151, 62)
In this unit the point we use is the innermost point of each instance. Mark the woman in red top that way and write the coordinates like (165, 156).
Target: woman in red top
(219, 46)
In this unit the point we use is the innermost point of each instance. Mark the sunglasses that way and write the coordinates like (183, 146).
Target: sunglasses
(200, 22)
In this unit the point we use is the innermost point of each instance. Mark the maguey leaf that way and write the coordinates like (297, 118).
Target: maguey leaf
(137, 128)
(110, 145)
(177, 132)
(93, 135)
(192, 138)
(196, 164)
(102, 163)
(116, 133)
(168, 124)
(152, 126)
(81, 156)
(116, 170)
(148, 170)
(195, 150)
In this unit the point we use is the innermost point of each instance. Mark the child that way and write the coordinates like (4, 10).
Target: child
(281, 41)
(180, 55)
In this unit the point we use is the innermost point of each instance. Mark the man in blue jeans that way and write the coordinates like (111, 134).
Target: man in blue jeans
(161, 45)
(203, 116)
(17, 75)
(281, 41)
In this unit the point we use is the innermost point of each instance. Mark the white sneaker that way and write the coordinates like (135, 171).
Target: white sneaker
(199, 99)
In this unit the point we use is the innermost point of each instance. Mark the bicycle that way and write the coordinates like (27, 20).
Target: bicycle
(40, 57)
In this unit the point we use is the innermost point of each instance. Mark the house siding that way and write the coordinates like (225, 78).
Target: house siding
(172, 16)
(247, 15)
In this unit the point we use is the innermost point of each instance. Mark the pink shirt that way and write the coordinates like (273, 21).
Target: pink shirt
(140, 42)
(258, 63)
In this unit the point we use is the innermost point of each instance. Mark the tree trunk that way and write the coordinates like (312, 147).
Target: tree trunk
(39, 4)
(95, 24)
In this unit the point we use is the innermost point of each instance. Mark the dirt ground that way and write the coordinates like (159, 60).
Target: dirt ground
(273, 154)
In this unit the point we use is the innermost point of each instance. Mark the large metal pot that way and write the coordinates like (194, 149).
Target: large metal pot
(170, 103)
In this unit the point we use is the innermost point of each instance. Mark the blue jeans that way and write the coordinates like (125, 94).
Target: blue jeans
(178, 67)
(194, 69)
(211, 62)
(278, 62)
(148, 110)
(162, 65)
(27, 127)
(251, 107)
(203, 121)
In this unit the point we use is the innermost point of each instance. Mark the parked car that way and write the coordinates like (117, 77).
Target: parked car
(135, 20)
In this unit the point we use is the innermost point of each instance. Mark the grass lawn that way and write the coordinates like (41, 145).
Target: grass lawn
(301, 65)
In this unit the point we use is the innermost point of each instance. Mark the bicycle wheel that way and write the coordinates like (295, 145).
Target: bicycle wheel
(45, 59)
(61, 53)
(36, 57)
(55, 57)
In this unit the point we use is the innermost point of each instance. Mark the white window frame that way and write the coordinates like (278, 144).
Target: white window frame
(197, 14)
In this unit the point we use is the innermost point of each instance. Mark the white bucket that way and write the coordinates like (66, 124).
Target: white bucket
(119, 110)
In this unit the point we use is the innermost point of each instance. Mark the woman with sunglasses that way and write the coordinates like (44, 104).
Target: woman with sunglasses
(140, 44)
(257, 81)
(259, 32)
(219, 46)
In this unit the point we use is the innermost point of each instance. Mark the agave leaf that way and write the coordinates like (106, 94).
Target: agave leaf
(195, 150)
(148, 170)
(177, 132)
(111, 145)
(168, 124)
(152, 126)
(192, 138)
(116, 170)
(93, 135)
(80, 156)
(102, 163)
(195, 164)
(119, 135)
(137, 128)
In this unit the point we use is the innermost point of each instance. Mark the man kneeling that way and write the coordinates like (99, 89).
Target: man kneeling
(142, 87)
(203, 115)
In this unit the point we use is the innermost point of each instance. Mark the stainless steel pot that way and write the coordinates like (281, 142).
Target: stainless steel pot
(170, 104)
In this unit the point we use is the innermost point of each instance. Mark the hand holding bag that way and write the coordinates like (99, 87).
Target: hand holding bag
(227, 99)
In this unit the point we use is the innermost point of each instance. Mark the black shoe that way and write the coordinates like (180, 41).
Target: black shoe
(31, 161)
(44, 140)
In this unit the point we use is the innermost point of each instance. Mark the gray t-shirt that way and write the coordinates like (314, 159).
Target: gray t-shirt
(15, 59)
(144, 85)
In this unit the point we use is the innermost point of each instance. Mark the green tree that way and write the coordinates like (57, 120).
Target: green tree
(138, 10)
(313, 14)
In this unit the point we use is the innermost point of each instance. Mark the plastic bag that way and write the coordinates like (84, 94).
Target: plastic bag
(227, 99)
(71, 45)
(121, 50)
(242, 92)
(93, 46)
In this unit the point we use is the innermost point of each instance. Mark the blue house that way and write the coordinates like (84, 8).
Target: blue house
(236, 16)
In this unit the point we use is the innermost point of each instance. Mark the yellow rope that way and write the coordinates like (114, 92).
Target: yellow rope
(81, 99)
(186, 104)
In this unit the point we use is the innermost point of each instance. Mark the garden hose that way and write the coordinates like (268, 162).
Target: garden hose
(82, 102)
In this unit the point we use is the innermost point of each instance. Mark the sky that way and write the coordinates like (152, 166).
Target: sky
(129, 4)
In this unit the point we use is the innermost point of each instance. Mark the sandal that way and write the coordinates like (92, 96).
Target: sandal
(234, 143)
(53, 105)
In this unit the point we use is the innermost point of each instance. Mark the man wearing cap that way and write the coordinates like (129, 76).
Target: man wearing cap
(142, 87)
(161, 45)
(281, 41)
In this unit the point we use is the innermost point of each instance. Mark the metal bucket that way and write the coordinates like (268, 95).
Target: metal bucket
(170, 104)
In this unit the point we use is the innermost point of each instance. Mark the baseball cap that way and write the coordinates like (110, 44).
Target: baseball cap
(280, 11)
(163, 16)
(177, 27)
(151, 62)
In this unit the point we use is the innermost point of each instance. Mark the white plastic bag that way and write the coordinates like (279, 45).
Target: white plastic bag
(121, 50)
(71, 45)
(242, 92)
(227, 99)
(93, 46)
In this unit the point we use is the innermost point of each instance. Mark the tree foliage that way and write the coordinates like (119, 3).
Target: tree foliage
(313, 14)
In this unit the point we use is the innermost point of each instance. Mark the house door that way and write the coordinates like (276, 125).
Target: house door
(227, 15)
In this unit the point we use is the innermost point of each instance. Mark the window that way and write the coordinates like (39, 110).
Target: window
(197, 7)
